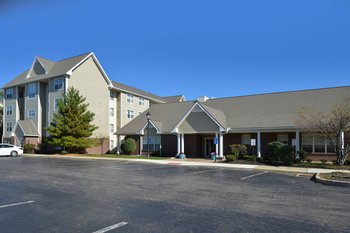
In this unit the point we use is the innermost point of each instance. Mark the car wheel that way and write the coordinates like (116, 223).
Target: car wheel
(13, 154)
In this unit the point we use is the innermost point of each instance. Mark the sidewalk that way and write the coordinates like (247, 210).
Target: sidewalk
(177, 162)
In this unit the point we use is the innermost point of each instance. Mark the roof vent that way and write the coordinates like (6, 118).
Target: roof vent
(202, 99)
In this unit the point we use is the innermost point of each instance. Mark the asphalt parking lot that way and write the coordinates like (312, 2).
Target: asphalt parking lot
(68, 195)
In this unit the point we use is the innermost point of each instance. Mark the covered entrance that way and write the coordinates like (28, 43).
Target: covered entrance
(209, 146)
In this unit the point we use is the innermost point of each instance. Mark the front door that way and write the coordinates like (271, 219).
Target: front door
(209, 146)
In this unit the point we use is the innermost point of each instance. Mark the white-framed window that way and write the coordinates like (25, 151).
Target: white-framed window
(246, 139)
(130, 114)
(130, 98)
(9, 110)
(153, 141)
(56, 101)
(112, 145)
(316, 144)
(58, 84)
(112, 95)
(282, 137)
(111, 128)
(32, 90)
(111, 112)
(9, 93)
(141, 101)
(31, 113)
(9, 126)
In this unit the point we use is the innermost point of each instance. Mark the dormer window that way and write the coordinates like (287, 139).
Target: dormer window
(58, 84)
(9, 93)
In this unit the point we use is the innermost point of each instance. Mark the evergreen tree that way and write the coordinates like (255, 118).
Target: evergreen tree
(71, 126)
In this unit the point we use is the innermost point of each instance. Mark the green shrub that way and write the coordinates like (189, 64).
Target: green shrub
(302, 155)
(281, 153)
(308, 161)
(230, 158)
(324, 162)
(29, 148)
(238, 150)
(251, 158)
(64, 152)
(128, 146)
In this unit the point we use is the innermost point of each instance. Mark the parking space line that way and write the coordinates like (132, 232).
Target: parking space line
(262, 173)
(115, 226)
(16, 204)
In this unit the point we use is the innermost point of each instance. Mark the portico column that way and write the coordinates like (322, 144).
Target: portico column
(221, 141)
(182, 143)
(178, 144)
(217, 144)
(141, 144)
(342, 140)
(297, 143)
(259, 145)
(118, 144)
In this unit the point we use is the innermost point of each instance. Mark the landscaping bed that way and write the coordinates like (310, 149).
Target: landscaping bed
(338, 176)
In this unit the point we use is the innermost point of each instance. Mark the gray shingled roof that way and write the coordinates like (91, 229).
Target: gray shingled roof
(174, 99)
(263, 111)
(53, 69)
(28, 128)
(132, 90)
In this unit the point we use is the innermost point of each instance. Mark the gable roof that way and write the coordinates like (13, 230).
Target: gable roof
(132, 90)
(246, 113)
(174, 98)
(53, 69)
(28, 128)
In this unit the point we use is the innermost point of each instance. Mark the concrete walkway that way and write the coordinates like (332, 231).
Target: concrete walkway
(177, 162)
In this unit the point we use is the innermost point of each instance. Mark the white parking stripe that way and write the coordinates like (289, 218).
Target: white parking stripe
(115, 226)
(16, 204)
(262, 173)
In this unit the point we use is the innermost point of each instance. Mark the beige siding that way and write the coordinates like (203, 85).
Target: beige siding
(35, 105)
(198, 122)
(88, 79)
(136, 107)
(15, 113)
(52, 95)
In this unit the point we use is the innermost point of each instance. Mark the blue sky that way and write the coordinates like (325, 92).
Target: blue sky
(214, 48)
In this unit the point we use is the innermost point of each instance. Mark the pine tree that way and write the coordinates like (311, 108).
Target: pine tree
(71, 126)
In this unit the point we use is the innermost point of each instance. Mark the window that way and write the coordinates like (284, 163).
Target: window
(111, 128)
(112, 145)
(32, 113)
(283, 138)
(141, 101)
(245, 139)
(112, 95)
(319, 144)
(308, 142)
(9, 126)
(56, 101)
(111, 112)
(31, 90)
(130, 114)
(152, 142)
(9, 93)
(316, 144)
(58, 84)
(9, 110)
(130, 98)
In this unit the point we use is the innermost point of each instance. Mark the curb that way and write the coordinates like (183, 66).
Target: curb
(337, 183)
(201, 164)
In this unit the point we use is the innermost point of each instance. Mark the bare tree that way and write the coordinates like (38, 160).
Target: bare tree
(334, 125)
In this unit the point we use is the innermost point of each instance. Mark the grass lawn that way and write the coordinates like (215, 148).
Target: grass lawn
(122, 156)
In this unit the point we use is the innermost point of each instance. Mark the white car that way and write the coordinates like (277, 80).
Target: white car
(10, 150)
